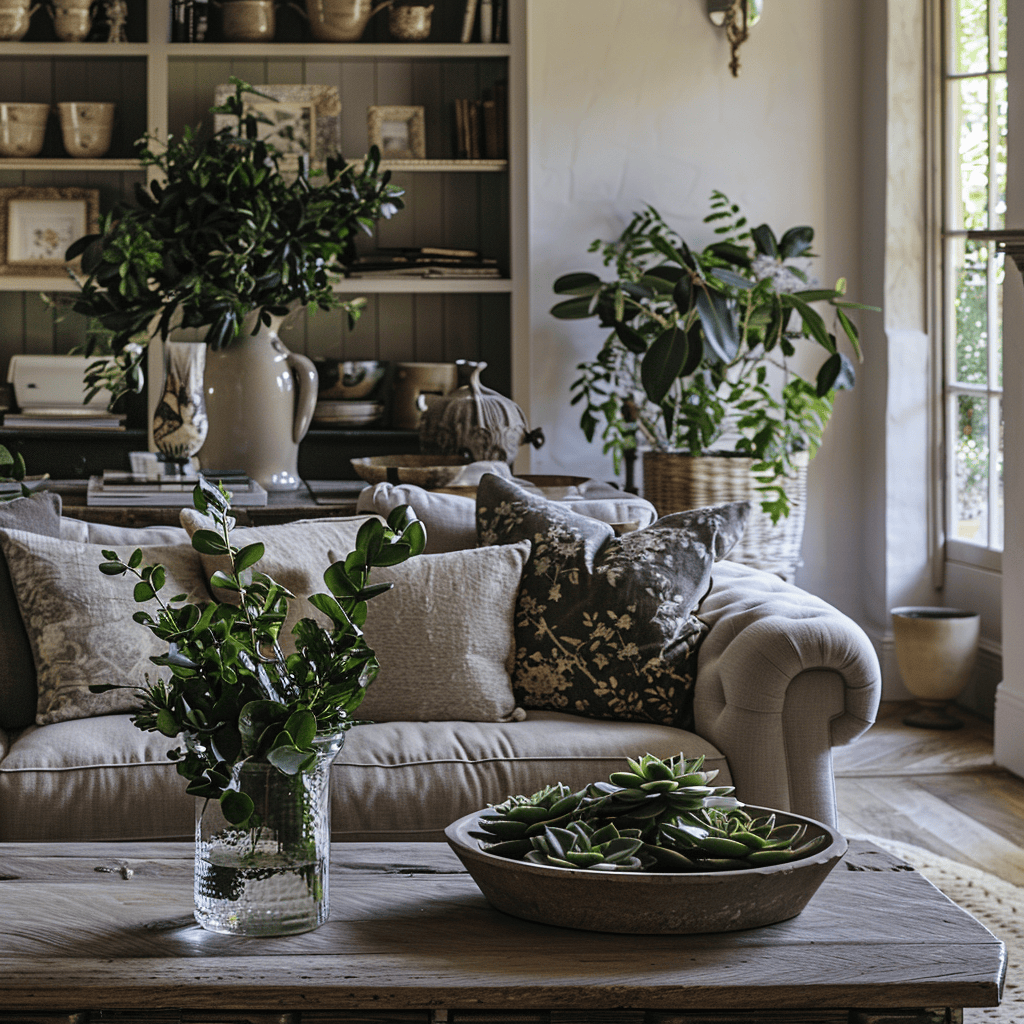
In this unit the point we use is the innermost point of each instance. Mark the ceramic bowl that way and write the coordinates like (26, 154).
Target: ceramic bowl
(72, 22)
(426, 471)
(15, 19)
(338, 379)
(410, 22)
(249, 21)
(87, 128)
(22, 128)
(649, 903)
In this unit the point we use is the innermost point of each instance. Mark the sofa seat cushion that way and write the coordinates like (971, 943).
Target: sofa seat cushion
(103, 779)
(407, 781)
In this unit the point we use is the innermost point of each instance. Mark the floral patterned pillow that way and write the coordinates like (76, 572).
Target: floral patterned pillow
(605, 626)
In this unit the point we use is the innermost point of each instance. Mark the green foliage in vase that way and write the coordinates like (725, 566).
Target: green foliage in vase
(656, 816)
(224, 232)
(232, 694)
(700, 355)
(12, 471)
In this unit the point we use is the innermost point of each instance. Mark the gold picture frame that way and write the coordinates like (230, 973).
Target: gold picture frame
(38, 224)
(398, 132)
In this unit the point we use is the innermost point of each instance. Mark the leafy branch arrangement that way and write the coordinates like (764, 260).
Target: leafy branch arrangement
(233, 695)
(657, 816)
(225, 233)
(12, 471)
(698, 359)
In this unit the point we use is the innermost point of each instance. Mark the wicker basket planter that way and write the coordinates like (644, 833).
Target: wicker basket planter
(674, 482)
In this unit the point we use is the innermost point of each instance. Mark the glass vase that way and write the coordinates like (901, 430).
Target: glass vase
(270, 878)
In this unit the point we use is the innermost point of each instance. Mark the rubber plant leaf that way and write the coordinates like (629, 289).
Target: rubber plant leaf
(661, 365)
(719, 325)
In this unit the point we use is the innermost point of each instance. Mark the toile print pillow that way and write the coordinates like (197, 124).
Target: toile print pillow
(605, 626)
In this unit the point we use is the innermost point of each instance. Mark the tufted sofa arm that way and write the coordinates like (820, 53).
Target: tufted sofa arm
(782, 678)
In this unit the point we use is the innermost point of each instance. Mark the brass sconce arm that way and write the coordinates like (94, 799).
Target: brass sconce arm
(736, 17)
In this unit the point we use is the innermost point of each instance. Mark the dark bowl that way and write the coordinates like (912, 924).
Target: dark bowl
(338, 379)
(649, 903)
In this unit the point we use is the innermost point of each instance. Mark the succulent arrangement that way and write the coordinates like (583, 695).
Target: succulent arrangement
(657, 816)
(232, 694)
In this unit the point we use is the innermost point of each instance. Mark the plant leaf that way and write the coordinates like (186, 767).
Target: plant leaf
(662, 363)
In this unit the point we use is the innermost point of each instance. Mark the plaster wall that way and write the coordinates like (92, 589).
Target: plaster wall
(631, 101)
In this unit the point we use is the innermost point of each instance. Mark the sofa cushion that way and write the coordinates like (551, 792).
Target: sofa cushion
(103, 779)
(296, 555)
(605, 626)
(39, 513)
(103, 533)
(444, 638)
(450, 519)
(79, 622)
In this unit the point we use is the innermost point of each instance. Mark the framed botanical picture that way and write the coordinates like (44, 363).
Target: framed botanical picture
(295, 119)
(397, 132)
(38, 224)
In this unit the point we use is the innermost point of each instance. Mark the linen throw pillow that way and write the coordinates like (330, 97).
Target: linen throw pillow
(296, 555)
(444, 637)
(39, 513)
(79, 622)
(605, 627)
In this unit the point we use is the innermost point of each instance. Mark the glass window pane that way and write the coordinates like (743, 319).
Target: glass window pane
(997, 523)
(971, 304)
(1000, 13)
(998, 87)
(996, 319)
(970, 35)
(972, 154)
(970, 499)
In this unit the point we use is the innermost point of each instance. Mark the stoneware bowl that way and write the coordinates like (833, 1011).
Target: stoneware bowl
(72, 20)
(86, 127)
(22, 128)
(348, 379)
(426, 471)
(248, 21)
(410, 22)
(15, 18)
(647, 903)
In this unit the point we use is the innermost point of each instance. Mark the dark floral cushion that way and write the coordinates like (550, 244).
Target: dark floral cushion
(605, 626)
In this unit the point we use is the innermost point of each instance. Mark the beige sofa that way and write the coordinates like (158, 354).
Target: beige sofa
(782, 678)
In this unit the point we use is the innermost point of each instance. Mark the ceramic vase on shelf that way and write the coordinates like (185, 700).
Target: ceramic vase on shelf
(272, 877)
(260, 400)
(936, 649)
(180, 422)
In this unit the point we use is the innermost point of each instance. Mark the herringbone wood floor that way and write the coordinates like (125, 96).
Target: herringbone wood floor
(939, 790)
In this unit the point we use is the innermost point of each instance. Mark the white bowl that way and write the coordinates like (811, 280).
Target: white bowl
(22, 128)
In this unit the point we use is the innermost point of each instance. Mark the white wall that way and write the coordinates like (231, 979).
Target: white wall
(631, 101)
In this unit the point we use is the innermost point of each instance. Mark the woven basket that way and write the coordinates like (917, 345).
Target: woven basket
(675, 482)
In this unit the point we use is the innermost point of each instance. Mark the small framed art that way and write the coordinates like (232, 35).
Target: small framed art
(398, 132)
(38, 224)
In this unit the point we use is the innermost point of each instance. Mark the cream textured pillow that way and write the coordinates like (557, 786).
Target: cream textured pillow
(296, 556)
(79, 622)
(444, 637)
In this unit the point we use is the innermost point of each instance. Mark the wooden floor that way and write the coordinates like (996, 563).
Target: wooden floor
(940, 790)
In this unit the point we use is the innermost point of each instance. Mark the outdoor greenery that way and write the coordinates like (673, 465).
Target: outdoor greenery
(700, 355)
(656, 816)
(223, 234)
(233, 695)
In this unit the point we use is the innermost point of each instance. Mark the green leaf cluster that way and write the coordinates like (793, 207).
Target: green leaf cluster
(223, 231)
(232, 694)
(699, 358)
(12, 470)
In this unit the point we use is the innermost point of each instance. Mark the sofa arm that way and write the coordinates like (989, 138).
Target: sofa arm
(782, 678)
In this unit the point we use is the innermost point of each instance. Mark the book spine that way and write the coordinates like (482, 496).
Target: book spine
(467, 21)
(486, 21)
(490, 118)
(179, 21)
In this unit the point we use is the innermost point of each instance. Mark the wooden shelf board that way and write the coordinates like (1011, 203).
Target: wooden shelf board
(68, 164)
(374, 51)
(37, 284)
(105, 50)
(379, 285)
(444, 165)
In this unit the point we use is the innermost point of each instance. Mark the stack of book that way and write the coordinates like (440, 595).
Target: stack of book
(83, 417)
(481, 126)
(119, 488)
(429, 261)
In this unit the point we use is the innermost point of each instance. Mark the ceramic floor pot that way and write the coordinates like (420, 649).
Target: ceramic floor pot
(936, 649)
(271, 878)
(259, 401)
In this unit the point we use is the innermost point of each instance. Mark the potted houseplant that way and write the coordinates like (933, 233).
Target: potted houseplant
(258, 730)
(699, 360)
(223, 240)
(656, 848)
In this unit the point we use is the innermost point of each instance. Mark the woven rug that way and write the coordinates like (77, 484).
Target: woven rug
(998, 905)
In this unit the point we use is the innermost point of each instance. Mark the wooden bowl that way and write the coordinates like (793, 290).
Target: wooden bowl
(649, 903)
(427, 471)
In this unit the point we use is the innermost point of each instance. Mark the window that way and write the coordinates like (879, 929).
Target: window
(975, 131)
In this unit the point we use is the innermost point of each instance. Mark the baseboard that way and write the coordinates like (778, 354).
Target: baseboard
(1009, 730)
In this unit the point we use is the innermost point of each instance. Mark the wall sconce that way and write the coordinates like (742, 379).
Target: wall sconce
(736, 17)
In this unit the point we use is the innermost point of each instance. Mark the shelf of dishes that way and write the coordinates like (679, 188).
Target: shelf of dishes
(347, 286)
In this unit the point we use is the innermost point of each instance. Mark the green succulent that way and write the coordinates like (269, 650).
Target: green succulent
(654, 791)
(509, 827)
(580, 845)
(657, 816)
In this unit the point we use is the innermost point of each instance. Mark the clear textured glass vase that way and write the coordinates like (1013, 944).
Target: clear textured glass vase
(271, 878)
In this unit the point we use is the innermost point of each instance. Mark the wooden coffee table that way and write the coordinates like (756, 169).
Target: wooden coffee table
(104, 932)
